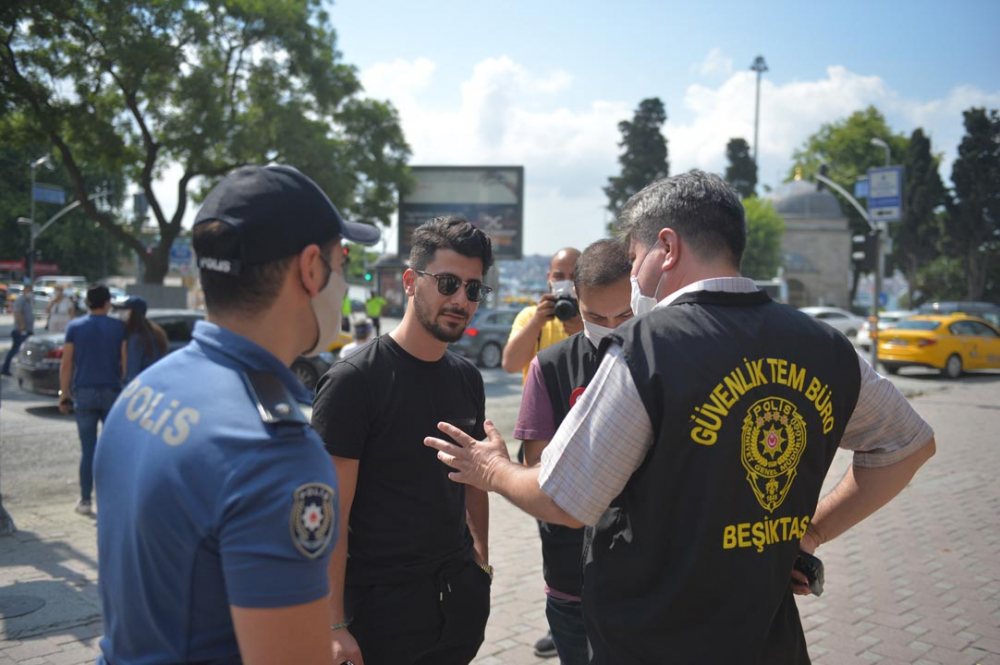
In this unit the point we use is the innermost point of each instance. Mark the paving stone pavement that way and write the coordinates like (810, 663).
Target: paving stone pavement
(917, 583)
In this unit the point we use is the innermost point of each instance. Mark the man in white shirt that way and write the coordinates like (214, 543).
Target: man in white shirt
(698, 451)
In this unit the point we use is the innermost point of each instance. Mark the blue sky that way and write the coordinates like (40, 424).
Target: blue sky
(544, 84)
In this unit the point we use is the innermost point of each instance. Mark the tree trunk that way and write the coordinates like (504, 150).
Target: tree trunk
(156, 262)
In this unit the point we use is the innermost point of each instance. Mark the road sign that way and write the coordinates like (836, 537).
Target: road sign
(181, 255)
(885, 196)
(45, 193)
(861, 188)
(883, 299)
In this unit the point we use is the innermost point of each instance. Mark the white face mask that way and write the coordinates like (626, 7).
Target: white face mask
(595, 333)
(125, 315)
(327, 307)
(642, 304)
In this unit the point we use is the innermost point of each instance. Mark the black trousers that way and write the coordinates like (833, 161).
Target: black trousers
(437, 620)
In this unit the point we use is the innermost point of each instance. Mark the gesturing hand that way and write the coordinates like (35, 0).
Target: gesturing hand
(476, 463)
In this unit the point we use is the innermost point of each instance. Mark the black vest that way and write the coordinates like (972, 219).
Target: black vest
(748, 400)
(567, 367)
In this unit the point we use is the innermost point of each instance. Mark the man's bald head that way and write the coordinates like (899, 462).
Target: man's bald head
(563, 264)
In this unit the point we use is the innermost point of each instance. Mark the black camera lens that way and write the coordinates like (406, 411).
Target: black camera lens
(566, 307)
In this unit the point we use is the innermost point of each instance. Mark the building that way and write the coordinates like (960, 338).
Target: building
(816, 245)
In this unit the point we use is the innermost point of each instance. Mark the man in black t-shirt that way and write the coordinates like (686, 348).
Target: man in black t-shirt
(410, 579)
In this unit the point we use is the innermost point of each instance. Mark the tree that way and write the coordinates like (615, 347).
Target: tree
(916, 237)
(75, 242)
(207, 85)
(741, 172)
(762, 256)
(644, 153)
(845, 146)
(972, 227)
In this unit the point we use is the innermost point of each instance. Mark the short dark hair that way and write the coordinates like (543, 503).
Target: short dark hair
(603, 263)
(257, 285)
(454, 233)
(703, 210)
(98, 296)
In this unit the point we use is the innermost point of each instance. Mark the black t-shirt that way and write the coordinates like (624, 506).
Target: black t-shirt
(376, 406)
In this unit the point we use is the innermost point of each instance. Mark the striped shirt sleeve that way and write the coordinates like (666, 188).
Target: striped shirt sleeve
(884, 427)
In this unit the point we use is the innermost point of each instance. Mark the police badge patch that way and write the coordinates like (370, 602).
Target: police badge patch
(313, 520)
(774, 436)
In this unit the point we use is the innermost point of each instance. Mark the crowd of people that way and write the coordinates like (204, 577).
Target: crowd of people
(676, 426)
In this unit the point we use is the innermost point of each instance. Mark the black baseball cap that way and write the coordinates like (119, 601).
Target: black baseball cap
(276, 211)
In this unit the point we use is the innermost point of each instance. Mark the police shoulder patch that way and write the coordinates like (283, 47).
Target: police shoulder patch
(312, 520)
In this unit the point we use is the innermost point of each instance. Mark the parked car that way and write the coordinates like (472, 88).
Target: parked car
(486, 336)
(950, 343)
(885, 320)
(984, 310)
(37, 369)
(841, 319)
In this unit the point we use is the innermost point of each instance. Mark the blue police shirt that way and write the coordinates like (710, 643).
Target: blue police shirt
(97, 351)
(204, 505)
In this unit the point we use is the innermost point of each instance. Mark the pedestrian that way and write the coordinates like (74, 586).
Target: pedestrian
(90, 378)
(410, 573)
(362, 335)
(698, 451)
(373, 307)
(218, 503)
(60, 310)
(145, 341)
(24, 324)
(535, 328)
(557, 377)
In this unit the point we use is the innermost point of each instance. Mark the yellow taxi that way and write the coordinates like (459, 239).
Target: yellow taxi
(950, 343)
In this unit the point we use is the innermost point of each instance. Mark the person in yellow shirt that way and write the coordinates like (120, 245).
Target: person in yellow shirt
(373, 307)
(537, 327)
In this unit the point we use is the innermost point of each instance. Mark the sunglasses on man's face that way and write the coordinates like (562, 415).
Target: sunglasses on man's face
(448, 285)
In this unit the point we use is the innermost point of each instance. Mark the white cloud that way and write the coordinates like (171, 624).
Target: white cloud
(715, 65)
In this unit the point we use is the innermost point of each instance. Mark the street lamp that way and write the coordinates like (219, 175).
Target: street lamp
(760, 67)
(35, 165)
(885, 146)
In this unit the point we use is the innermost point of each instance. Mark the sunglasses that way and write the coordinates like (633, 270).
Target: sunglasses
(448, 284)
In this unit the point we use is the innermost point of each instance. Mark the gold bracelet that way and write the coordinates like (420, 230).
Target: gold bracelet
(488, 569)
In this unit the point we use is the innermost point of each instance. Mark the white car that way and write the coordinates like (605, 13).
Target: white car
(886, 320)
(839, 319)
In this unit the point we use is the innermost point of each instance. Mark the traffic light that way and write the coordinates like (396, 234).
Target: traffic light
(823, 169)
(368, 276)
(864, 250)
(347, 254)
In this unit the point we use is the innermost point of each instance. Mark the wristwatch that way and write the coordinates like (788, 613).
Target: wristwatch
(63, 397)
(488, 569)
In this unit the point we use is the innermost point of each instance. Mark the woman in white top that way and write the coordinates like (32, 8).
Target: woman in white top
(61, 311)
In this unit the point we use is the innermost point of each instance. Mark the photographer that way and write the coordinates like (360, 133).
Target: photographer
(553, 319)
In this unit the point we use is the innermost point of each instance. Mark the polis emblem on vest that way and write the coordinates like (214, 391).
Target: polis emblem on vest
(774, 436)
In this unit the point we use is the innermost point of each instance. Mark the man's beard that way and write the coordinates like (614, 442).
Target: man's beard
(428, 320)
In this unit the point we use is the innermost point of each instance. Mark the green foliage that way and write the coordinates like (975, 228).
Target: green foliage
(75, 242)
(741, 172)
(845, 146)
(644, 153)
(942, 279)
(972, 227)
(916, 237)
(135, 87)
(762, 256)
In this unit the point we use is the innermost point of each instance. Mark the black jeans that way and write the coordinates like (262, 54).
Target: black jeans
(437, 620)
(569, 632)
(16, 340)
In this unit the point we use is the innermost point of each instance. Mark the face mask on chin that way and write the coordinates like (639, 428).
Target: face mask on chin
(327, 307)
(595, 332)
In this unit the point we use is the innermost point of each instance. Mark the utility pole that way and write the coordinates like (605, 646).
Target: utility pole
(760, 67)
(35, 165)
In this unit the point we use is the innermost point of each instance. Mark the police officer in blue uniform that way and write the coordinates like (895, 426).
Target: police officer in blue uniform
(218, 504)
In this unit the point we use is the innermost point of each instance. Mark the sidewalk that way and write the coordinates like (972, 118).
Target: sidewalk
(917, 583)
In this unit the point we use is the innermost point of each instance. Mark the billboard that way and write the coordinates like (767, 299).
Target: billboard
(491, 197)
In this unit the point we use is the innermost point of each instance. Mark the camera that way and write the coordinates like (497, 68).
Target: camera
(566, 305)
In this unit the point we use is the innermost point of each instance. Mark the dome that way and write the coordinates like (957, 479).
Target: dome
(799, 197)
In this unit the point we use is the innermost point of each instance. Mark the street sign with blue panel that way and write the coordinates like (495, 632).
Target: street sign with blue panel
(181, 254)
(861, 188)
(885, 194)
(44, 193)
